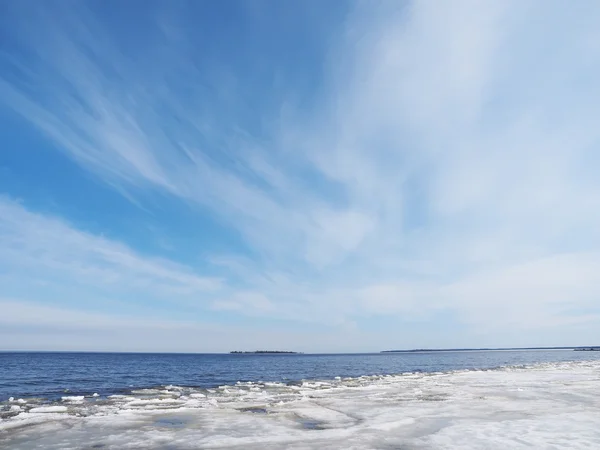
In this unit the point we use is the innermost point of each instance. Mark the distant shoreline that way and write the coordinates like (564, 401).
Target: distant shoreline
(431, 350)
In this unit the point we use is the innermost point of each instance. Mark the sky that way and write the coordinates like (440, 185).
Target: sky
(301, 175)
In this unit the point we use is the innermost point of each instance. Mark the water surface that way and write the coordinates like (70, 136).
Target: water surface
(53, 375)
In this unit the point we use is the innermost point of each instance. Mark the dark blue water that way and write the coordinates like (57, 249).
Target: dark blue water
(52, 375)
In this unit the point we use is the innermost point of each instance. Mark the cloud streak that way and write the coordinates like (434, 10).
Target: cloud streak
(46, 249)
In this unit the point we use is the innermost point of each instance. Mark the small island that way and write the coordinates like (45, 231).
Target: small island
(265, 352)
(587, 349)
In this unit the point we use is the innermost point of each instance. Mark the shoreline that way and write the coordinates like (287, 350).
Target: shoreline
(507, 349)
(294, 383)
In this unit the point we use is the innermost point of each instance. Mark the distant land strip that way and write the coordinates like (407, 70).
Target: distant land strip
(417, 350)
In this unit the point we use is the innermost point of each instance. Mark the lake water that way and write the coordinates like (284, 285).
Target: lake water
(53, 375)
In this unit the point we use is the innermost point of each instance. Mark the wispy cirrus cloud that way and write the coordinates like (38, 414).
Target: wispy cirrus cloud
(136, 130)
(41, 248)
(446, 163)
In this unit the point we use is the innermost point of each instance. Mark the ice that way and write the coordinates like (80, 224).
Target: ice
(73, 398)
(154, 403)
(545, 406)
(49, 409)
(95, 394)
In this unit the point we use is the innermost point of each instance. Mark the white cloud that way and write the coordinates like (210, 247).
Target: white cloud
(245, 302)
(43, 248)
(31, 326)
(535, 293)
(143, 132)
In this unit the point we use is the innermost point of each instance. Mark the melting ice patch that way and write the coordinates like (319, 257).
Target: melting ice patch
(544, 406)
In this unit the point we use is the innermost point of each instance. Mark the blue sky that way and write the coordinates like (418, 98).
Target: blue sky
(312, 176)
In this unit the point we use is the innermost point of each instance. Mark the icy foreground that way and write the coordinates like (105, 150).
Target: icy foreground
(544, 406)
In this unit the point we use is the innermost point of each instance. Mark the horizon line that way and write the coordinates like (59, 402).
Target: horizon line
(416, 350)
